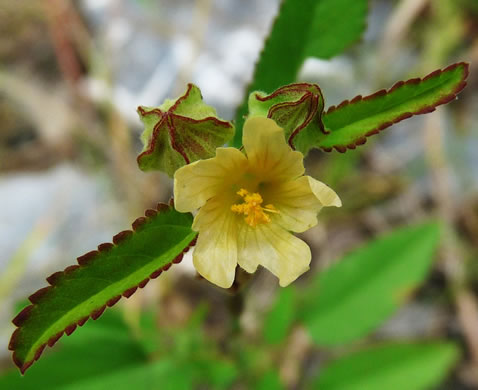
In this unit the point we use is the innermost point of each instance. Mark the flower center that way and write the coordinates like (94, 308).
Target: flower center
(252, 209)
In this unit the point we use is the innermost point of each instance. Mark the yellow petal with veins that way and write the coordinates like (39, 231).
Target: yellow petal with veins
(269, 155)
(324, 193)
(215, 253)
(269, 245)
(299, 201)
(195, 183)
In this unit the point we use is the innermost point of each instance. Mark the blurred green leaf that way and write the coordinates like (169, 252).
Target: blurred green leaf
(357, 294)
(417, 366)
(99, 280)
(105, 355)
(302, 29)
(279, 320)
(217, 373)
(190, 348)
(336, 25)
(164, 374)
(270, 381)
(104, 346)
(351, 122)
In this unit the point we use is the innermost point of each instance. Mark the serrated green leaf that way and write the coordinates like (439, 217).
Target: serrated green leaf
(358, 293)
(100, 279)
(180, 132)
(412, 366)
(279, 320)
(352, 121)
(297, 33)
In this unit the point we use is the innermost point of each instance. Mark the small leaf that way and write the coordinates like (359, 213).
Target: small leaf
(180, 132)
(302, 29)
(352, 121)
(357, 294)
(99, 280)
(411, 366)
(279, 320)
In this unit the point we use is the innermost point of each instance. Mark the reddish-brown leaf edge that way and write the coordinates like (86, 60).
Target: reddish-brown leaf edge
(165, 117)
(83, 261)
(406, 115)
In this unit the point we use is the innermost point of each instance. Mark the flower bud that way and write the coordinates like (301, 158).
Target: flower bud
(297, 108)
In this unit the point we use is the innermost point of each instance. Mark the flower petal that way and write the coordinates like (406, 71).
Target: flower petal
(195, 183)
(324, 193)
(269, 155)
(285, 255)
(299, 201)
(215, 253)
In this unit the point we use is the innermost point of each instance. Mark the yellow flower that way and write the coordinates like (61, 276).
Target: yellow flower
(248, 205)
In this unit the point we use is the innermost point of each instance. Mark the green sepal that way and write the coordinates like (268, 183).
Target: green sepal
(180, 132)
(297, 108)
(99, 280)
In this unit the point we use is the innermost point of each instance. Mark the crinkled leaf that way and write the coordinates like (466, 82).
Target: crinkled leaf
(302, 28)
(349, 123)
(356, 294)
(411, 366)
(297, 108)
(180, 132)
(99, 280)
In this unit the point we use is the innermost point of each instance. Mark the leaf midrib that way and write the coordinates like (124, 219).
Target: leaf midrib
(393, 106)
(40, 340)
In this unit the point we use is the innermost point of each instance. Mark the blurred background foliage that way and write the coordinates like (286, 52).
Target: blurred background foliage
(391, 299)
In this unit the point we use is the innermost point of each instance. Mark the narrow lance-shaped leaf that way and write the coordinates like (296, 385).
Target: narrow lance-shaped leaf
(180, 132)
(411, 366)
(356, 294)
(318, 28)
(99, 280)
(351, 122)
